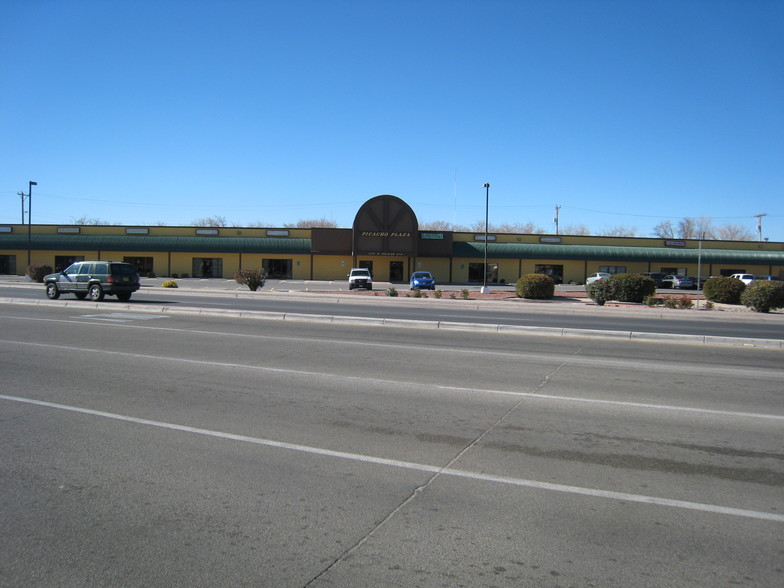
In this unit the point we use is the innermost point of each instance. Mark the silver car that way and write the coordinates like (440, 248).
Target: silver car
(676, 281)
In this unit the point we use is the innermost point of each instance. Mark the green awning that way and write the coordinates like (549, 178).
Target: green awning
(150, 243)
(476, 250)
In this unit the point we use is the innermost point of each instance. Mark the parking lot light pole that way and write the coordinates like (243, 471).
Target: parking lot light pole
(30, 185)
(487, 219)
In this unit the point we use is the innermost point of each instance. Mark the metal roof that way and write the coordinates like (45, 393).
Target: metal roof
(149, 243)
(613, 253)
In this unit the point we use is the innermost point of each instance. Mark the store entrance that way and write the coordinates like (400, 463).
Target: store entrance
(395, 271)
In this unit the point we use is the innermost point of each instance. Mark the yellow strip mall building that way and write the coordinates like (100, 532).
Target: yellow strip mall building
(386, 238)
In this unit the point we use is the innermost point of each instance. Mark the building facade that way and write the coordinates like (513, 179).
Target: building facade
(386, 238)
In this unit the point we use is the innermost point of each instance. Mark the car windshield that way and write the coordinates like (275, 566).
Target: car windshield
(422, 275)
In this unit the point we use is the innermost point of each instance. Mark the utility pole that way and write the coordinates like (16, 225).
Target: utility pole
(23, 196)
(759, 223)
(555, 219)
(30, 185)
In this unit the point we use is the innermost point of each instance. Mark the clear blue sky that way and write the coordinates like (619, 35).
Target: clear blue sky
(622, 112)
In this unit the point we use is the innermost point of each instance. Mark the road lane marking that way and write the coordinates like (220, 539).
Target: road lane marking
(446, 388)
(453, 472)
(636, 364)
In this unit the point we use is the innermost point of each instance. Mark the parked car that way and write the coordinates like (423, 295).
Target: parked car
(655, 276)
(745, 278)
(360, 277)
(596, 276)
(422, 281)
(676, 281)
(767, 278)
(699, 283)
(94, 279)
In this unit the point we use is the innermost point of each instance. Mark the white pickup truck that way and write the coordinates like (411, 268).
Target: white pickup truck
(360, 277)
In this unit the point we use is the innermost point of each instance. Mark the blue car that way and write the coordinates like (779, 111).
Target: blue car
(422, 281)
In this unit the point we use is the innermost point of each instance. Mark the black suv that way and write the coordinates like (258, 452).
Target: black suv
(656, 277)
(94, 279)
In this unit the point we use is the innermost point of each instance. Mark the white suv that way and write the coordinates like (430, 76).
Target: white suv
(360, 277)
(745, 278)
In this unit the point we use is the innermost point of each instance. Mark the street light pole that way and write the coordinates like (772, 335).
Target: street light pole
(30, 185)
(487, 220)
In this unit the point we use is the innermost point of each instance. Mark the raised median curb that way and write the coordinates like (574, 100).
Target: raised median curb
(416, 324)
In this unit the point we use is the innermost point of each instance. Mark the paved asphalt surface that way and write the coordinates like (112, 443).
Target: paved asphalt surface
(327, 299)
(160, 448)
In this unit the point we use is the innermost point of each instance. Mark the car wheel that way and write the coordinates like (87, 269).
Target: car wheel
(125, 297)
(95, 293)
(52, 292)
(80, 295)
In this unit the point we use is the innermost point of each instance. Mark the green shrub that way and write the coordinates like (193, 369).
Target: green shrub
(535, 287)
(437, 294)
(600, 291)
(723, 290)
(651, 300)
(453, 296)
(392, 292)
(685, 302)
(763, 296)
(631, 287)
(671, 302)
(417, 294)
(465, 293)
(169, 284)
(253, 278)
(37, 272)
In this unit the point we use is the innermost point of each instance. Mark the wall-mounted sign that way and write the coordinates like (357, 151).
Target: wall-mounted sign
(675, 243)
(550, 239)
(482, 237)
(68, 229)
(385, 225)
(137, 231)
(207, 231)
(277, 233)
(434, 236)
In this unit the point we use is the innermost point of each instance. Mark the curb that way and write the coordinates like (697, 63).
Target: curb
(414, 324)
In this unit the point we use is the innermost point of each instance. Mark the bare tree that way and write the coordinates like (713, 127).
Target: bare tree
(620, 231)
(319, 223)
(695, 228)
(581, 230)
(529, 227)
(84, 220)
(664, 230)
(212, 221)
(731, 232)
(438, 225)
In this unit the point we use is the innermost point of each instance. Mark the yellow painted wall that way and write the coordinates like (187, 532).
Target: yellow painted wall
(437, 266)
(331, 267)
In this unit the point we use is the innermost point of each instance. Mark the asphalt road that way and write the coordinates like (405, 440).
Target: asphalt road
(158, 449)
(512, 312)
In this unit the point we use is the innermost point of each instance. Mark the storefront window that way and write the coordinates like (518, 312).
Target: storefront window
(207, 267)
(475, 272)
(613, 269)
(554, 271)
(277, 268)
